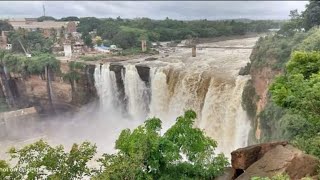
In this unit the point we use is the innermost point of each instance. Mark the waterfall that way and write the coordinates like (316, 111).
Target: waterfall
(209, 84)
(136, 93)
(160, 97)
(175, 89)
(105, 82)
(222, 115)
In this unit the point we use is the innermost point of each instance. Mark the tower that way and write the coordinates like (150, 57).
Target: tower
(143, 45)
(44, 10)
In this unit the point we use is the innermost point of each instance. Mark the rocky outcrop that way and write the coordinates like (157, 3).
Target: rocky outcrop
(270, 159)
(118, 69)
(244, 157)
(144, 73)
(85, 90)
(32, 90)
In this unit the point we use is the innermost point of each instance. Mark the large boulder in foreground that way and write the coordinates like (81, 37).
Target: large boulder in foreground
(272, 159)
(242, 158)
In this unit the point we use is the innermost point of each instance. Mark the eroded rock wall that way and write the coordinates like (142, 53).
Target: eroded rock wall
(32, 90)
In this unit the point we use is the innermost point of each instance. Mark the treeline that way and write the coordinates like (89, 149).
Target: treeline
(292, 111)
(127, 32)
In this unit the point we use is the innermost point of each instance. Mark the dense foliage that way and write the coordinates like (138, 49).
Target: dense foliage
(69, 18)
(33, 42)
(183, 152)
(292, 111)
(127, 33)
(5, 26)
(46, 18)
(299, 91)
(19, 63)
(41, 161)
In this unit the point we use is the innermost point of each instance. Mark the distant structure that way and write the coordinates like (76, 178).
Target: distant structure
(44, 10)
(194, 51)
(31, 24)
(143, 45)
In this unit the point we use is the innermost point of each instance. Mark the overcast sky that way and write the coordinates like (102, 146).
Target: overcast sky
(184, 10)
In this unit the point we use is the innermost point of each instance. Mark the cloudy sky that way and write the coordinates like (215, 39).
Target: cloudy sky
(184, 10)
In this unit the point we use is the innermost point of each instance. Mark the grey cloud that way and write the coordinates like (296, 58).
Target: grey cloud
(154, 9)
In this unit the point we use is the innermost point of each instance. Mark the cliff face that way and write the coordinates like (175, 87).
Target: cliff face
(267, 60)
(32, 91)
(261, 80)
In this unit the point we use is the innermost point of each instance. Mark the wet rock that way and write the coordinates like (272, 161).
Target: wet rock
(118, 69)
(144, 73)
(245, 70)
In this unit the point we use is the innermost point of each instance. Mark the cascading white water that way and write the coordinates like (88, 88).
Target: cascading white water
(210, 86)
(160, 97)
(136, 93)
(105, 82)
(223, 117)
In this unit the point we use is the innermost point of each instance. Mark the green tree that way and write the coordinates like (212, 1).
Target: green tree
(33, 41)
(46, 18)
(183, 152)
(40, 160)
(70, 18)
(88, 24)
(73, 76)
(299, 91)
(312, 14)
(87, 39)
(5, 26)
(126, 39)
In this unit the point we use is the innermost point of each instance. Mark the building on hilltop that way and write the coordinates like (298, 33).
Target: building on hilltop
(31, 24)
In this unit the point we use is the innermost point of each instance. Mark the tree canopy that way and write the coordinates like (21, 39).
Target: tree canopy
(46, 18)
(33, 41)
(299, 91)
(5, 26)
(292, 104)
(69, 18)
(168, 29)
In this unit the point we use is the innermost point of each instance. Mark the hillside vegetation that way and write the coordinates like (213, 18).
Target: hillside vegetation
(292, 111)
